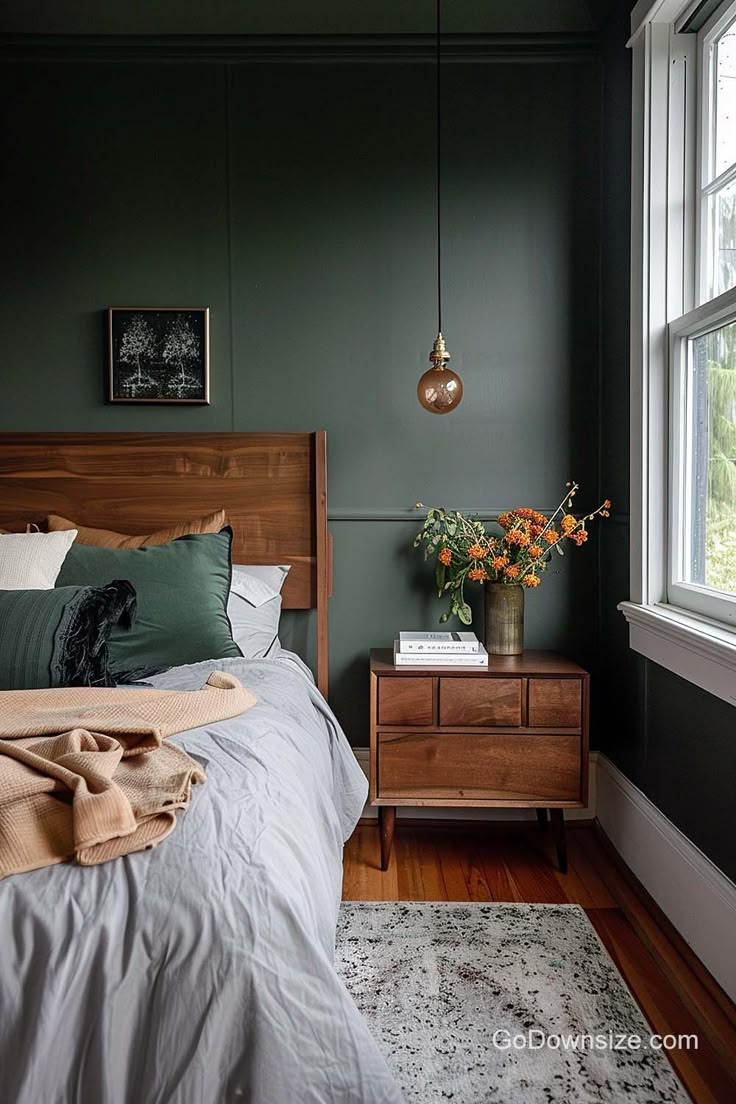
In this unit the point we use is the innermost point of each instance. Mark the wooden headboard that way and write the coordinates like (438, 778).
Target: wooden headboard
(273, 487)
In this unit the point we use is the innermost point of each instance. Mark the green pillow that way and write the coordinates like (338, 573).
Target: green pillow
(59, 637)
(182, 590)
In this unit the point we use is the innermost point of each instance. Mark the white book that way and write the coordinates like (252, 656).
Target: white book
(478, 658)
(436, 642)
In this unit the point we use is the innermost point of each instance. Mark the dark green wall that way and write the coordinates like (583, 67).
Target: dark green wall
(675, 741)
(297, 201)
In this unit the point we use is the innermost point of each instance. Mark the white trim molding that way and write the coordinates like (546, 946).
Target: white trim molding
(697, 897)
(696, 649)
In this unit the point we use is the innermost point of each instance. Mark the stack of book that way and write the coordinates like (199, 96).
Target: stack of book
(439, 649)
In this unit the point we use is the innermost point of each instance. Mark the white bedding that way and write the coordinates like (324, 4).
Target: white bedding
(202, 972)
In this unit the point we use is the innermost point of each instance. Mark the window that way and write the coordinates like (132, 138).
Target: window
(702, 362)
(682, 607)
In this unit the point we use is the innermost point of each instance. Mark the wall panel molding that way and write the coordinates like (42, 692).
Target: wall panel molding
(416, 517)
(485, 513)
(403, 48)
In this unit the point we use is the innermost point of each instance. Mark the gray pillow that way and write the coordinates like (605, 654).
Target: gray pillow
(254, 608)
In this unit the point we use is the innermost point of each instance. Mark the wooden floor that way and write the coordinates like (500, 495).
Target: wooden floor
(514, 862)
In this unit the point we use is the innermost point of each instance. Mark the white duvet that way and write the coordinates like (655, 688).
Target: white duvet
(202, 972)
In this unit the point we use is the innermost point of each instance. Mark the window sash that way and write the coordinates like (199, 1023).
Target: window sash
(680, 592)
(709, 183)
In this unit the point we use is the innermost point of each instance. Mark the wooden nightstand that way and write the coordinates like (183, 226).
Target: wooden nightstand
(512, 735)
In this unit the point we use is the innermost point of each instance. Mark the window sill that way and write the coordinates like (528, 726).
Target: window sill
(693, 647)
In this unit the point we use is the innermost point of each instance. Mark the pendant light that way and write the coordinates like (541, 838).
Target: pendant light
(440, 389)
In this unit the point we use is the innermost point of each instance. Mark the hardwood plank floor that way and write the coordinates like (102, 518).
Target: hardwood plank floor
(515, 862)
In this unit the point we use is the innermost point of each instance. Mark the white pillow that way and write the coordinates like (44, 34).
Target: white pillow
(254, 608)
(32, 561)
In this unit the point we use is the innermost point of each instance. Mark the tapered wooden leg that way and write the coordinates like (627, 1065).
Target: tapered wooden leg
(558, 827)
(386, 822)
(542, 817)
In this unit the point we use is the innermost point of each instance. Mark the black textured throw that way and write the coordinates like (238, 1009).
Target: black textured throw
(80, 653)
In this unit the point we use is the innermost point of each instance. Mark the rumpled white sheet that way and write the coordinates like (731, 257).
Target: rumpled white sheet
(202, 972)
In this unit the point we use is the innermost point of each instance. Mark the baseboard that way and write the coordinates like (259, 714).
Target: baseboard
(362, 754)
(697, 898)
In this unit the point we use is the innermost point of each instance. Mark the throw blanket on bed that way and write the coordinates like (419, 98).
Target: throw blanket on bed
(84, 771)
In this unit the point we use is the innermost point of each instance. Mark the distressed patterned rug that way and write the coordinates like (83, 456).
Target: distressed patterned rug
(438, 982)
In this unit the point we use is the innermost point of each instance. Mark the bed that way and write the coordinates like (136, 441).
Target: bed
(200, 972)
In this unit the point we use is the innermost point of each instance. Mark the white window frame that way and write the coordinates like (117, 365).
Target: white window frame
(665, 171)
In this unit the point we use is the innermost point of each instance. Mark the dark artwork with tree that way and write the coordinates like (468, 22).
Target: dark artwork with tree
(158, 355)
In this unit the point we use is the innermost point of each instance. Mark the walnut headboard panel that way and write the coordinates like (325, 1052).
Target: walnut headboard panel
(273, 487)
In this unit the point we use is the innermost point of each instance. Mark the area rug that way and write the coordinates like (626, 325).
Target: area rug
(468, 1001)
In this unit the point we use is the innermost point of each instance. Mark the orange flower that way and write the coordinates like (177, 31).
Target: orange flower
(531, 580)
(580, 537)
(512, 571)
(568, 523)
(535, 552)
(477, 574)
(477, 552)
(444, 556)
(517, 536)
(607, 504)
(528, 514)
(498, 562)
(551, 536)
(504, 520)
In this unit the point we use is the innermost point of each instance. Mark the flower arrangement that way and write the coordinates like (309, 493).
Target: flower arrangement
(465, 551)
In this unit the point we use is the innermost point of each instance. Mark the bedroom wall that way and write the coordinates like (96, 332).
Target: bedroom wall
(296, 200)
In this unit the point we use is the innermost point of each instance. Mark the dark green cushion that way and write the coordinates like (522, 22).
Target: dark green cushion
(59, 637)
(182, 590)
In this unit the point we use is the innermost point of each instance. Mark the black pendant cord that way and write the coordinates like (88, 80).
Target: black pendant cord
(439, 162)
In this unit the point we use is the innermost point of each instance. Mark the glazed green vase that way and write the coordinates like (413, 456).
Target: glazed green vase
(504, 619)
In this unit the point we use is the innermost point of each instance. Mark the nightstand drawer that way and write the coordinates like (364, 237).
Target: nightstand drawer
(555, 703)
(486, 702)
(405, 701)
(477, 767)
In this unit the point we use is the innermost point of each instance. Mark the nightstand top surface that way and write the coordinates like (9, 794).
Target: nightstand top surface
(528, 663)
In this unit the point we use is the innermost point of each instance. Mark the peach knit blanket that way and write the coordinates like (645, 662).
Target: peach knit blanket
(85, 772)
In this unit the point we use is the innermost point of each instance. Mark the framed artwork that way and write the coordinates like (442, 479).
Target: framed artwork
(158, 355)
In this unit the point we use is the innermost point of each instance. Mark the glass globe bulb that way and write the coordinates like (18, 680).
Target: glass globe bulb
(440, 389)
